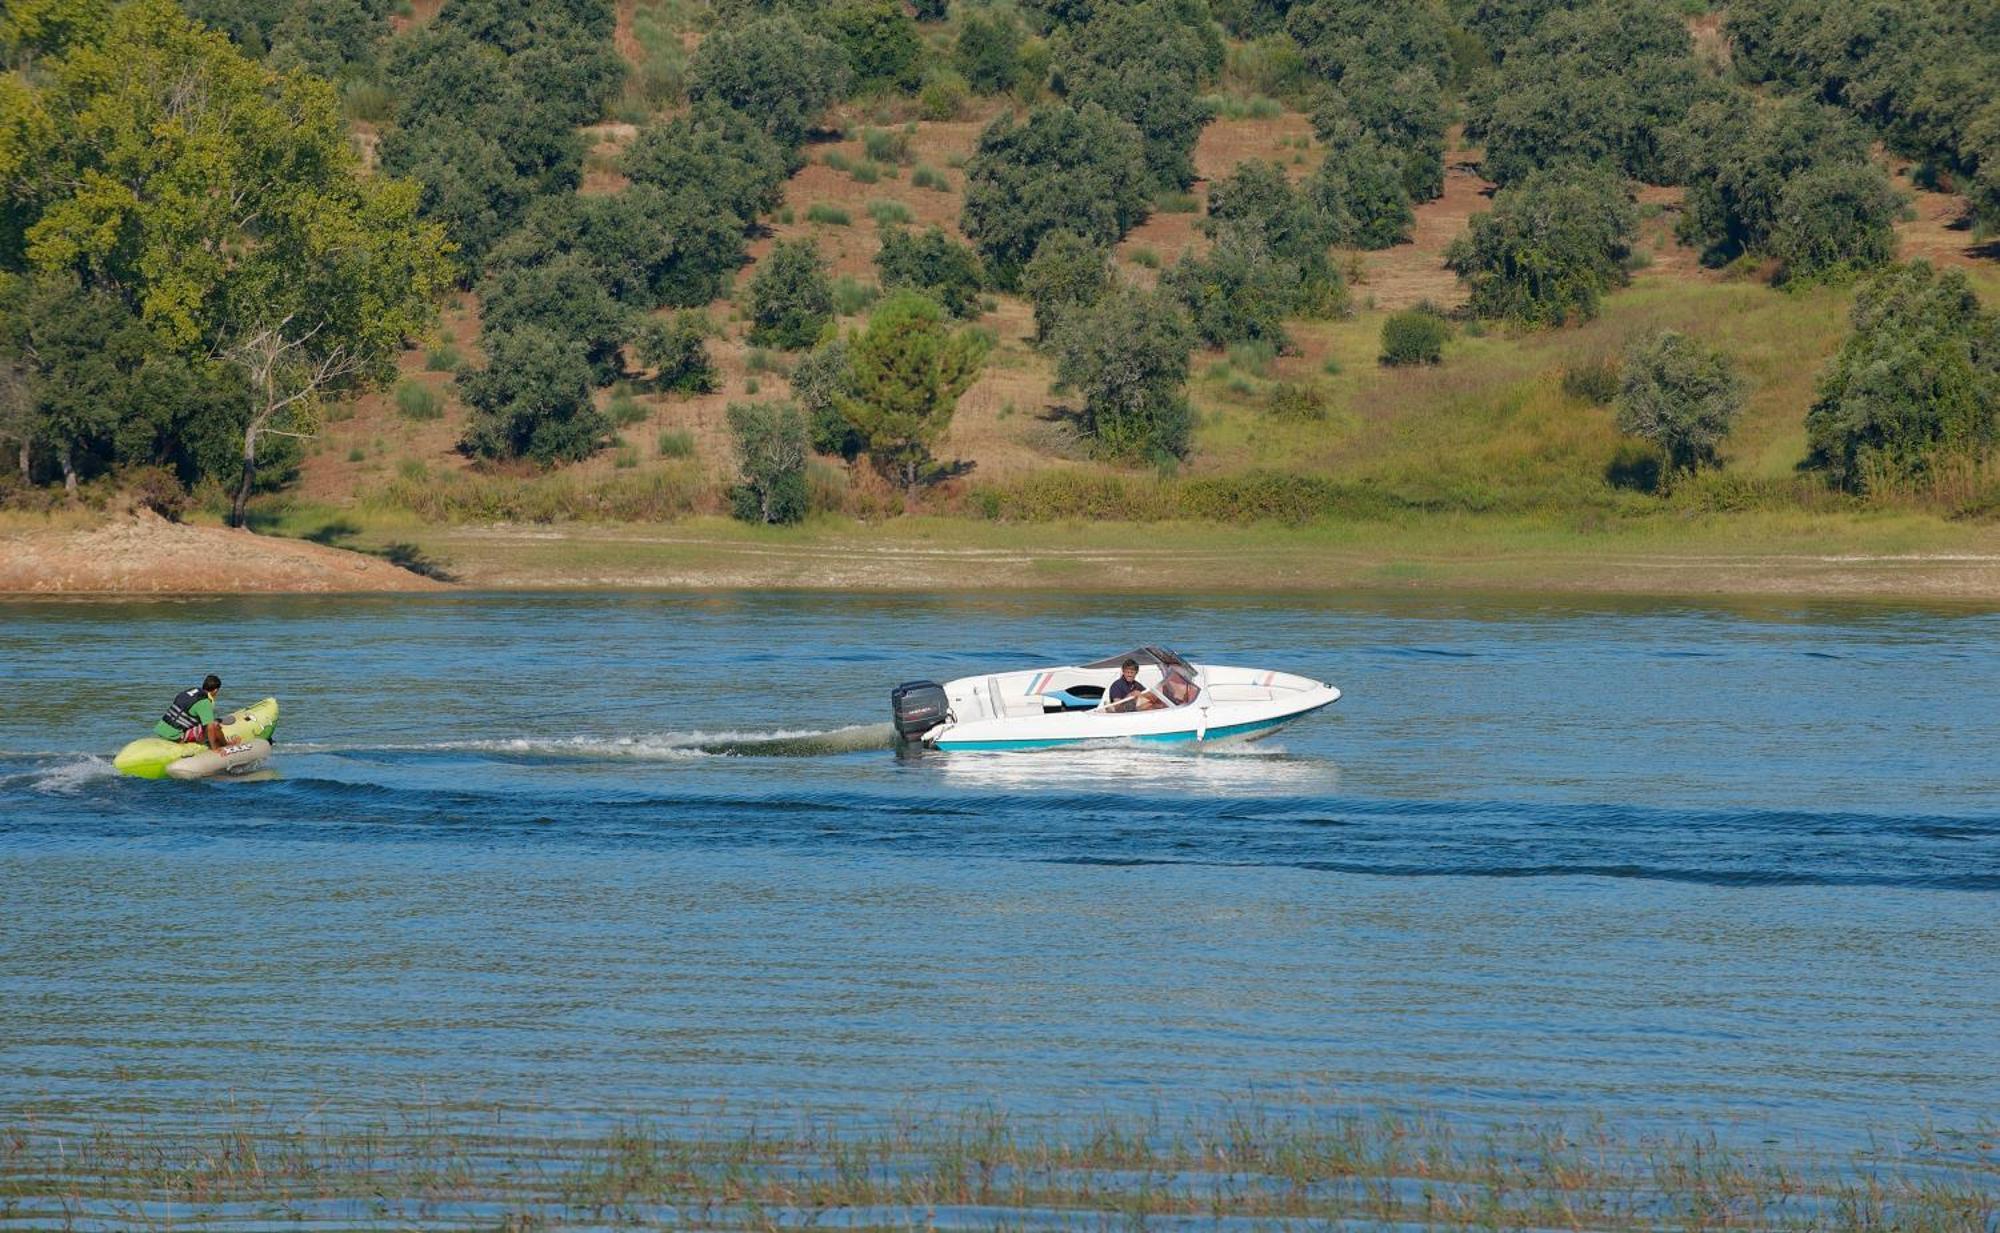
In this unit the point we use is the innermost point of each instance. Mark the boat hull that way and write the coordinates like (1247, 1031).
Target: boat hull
(1040, 709)
(150, 756)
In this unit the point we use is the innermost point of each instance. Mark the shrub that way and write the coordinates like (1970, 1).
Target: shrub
(1595, 382)
(988, 51)
(930, 178)
(624, 410)
(532, 400)
(1835, 221)
(907, 371)
(676, 443)
(828, 215)
(772, 71)
(1067, 272)
(851, 295)
(1145, 258)
(1296, 401)
(889, 213)
(1549, 249)
(1413, 337)
(625, 457)
(1062, 169)
(1127, 357)
(944, 96)
(935, 264)
(677, 350)
(1681, 395)
(885, 145)
(1916, 383)
(443, 357)
(417, 401)
(770, 440)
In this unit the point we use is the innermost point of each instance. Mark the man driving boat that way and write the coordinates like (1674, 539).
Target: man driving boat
(1126, 694)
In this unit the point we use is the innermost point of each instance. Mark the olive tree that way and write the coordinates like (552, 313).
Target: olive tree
(772, 70)
(771, 453)
(1916, 382)
(1680, 394)
(1550, 248)
(1067, 272)
(791, 301)
(1126, 356)
(1062, 169)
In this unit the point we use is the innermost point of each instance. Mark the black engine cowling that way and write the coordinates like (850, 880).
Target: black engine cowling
(919, 707)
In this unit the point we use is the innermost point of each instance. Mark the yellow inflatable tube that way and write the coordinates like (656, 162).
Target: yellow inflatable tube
(149, 756)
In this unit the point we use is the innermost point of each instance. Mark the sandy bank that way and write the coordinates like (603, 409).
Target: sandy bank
(144, 554)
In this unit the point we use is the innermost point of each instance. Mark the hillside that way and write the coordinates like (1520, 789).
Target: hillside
(1490, 417)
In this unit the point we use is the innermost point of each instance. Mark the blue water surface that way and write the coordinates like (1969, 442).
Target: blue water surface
(593, 857)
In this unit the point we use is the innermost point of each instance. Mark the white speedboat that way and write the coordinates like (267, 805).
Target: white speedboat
(1041, 707)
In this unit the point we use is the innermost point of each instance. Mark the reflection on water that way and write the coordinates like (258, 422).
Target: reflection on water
(591, 856)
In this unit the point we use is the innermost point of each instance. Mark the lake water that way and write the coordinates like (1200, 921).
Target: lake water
(598, 856)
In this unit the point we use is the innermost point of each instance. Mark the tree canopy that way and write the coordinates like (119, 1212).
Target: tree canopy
(1063, 168)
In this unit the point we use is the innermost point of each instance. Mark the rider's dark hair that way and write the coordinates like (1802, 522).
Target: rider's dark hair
(1130, 663)
(211, 681)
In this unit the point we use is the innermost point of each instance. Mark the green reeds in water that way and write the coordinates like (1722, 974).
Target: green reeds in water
(460, 1167)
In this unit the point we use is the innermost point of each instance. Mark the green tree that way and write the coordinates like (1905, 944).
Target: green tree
(1917, 381)
(1680, 394)
(1550, 248)
(76, 355)
(336, 39)
(1737, 154)
(909, 369)
(821, 381)
(1835, 221)
(1600, 82)
(773, 71)
(934, 264)
(1404, 112)
(1067, 272)
(227, 203)
(532, 400)
(563, 296)
(1126, 356)
(1143, 63)
(1359, 188)
(1237, 292)
(791, 301)
(1063, 169)
(645, 246)
(676, 349)
(988, 51)
(771, 453)
(1338, 37)
(884, 51)
(714, 153)
(1258, 197)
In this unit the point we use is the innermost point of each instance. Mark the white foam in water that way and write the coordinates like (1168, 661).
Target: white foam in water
(660, 745)
(67, 777)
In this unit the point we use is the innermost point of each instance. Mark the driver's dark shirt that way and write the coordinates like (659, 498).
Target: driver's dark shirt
(1122, 689)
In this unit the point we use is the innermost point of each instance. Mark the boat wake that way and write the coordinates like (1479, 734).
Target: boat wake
(662, 746)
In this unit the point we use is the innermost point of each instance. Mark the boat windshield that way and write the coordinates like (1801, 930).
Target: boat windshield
(1147, 656)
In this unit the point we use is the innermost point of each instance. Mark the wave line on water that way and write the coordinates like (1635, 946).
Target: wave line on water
(782, 743)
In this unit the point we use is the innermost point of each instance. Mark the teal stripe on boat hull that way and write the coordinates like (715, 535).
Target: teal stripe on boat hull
(1158, 738)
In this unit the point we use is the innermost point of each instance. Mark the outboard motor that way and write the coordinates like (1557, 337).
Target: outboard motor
(919, 707)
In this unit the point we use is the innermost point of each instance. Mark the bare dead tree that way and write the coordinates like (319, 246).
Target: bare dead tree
(288, 373)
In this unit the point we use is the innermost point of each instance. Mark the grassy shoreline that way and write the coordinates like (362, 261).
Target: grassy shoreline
(1882, 556)
(1288, 1169)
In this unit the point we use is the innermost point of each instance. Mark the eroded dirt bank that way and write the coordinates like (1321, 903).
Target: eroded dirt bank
(143, 554)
